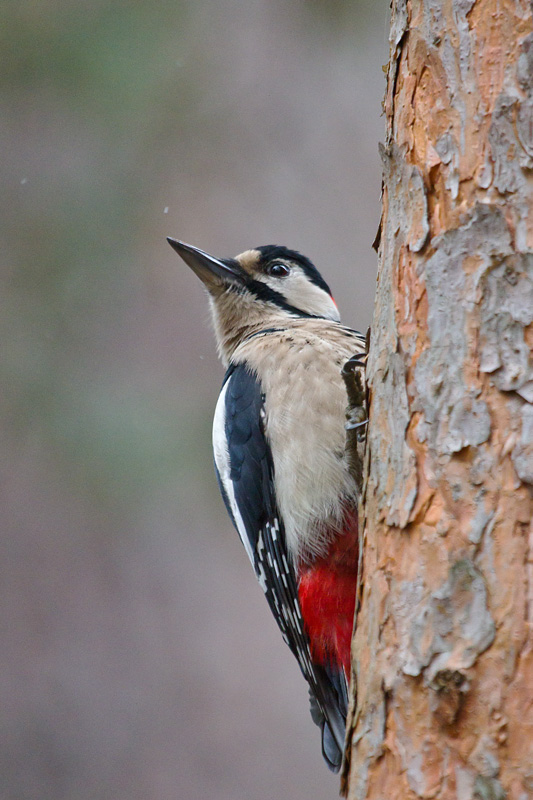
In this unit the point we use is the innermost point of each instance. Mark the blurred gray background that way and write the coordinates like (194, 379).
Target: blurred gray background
(138, 657)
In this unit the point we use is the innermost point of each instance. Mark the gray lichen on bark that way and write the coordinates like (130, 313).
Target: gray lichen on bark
(522, 455)
(451, 628)
(453, 416)
(506, 309)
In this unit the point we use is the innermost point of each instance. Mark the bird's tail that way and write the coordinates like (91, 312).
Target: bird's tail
(328, 709)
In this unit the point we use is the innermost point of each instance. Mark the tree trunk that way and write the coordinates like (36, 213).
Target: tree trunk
(443, 648)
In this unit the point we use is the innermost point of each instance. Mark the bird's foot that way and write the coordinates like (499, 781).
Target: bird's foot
(356, 417)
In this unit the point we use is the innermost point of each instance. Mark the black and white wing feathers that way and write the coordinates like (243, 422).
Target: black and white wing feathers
(245, 472)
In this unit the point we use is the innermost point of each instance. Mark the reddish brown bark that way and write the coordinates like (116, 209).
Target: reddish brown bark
(443, 650)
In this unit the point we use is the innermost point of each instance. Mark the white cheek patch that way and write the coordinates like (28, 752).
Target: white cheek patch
(299, 292)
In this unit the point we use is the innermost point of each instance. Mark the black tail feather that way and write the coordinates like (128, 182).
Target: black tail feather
(330, 749)
(329, 712)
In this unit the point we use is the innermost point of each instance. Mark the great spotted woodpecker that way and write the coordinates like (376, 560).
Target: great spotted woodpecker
(283, 468)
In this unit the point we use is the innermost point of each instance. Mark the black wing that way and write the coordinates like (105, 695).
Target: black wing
(245, 473)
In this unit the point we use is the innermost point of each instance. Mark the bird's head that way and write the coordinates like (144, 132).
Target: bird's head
(257, 289)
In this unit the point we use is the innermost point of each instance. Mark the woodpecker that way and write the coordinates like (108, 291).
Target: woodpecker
(281, 460)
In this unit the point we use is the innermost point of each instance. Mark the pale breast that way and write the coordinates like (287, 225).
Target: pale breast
(305, 402)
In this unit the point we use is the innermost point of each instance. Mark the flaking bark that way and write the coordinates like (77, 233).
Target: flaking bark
(443, 648)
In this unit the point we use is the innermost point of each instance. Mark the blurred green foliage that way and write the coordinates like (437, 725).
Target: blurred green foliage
(84, 87)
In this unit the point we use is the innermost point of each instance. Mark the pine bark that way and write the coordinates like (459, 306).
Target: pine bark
(443, 647)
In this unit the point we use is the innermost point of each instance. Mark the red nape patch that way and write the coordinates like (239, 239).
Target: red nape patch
(326, 592)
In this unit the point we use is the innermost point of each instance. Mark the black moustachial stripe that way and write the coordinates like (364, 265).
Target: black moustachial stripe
(266, 294)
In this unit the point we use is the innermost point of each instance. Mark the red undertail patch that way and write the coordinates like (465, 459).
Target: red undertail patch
(327, 597)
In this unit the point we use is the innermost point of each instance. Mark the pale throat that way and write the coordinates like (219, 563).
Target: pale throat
(236, 317)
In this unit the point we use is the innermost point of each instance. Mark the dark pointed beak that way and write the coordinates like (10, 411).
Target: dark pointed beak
(214, 273)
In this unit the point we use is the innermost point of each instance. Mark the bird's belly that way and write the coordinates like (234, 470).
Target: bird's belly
(307, 437)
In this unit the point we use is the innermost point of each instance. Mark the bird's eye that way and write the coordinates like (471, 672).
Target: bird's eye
(279, 270)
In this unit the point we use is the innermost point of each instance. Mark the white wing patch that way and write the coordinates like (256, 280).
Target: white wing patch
(222, 461)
